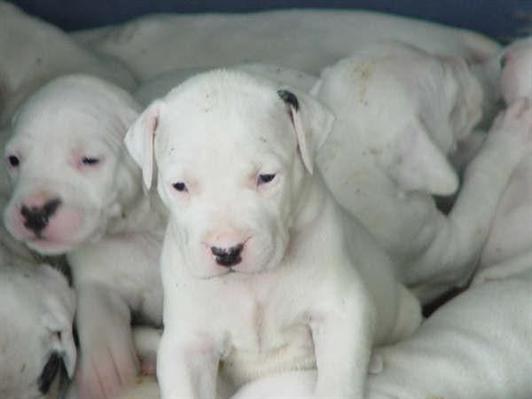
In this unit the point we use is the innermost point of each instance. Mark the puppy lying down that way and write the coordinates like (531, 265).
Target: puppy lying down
(263, 272)
(37, 313)
(401, 113)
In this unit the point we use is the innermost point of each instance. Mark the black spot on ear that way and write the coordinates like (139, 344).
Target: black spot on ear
(52, 367)
(289, 98)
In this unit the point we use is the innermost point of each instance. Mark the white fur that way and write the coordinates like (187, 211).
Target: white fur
(160, 85)
(108, 227)
(400, 114)
(477, 346)
(37, 316)
(466, 350)
(508, 250)
(311, 290)
(307, 40)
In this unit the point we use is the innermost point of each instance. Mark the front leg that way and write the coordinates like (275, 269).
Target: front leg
(187, 365)
(342, 335)
(108, 357)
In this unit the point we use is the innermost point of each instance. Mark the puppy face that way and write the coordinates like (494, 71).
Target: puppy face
(226, 147)
(36, 335)
(67, 164)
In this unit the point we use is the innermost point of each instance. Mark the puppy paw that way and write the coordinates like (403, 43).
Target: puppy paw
(514, 127)
(516, 64)
(148, 366)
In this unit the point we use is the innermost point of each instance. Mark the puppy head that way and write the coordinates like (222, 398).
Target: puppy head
(405, 107)
(232, 154)
(516, 78)
(36, 333)
(69, 170)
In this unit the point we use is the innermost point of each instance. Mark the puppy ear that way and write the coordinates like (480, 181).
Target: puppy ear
(312, 124)
(140, 138)
(417, 164)
(58, 316)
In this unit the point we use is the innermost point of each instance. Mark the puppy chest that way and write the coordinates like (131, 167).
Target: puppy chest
(263, 343)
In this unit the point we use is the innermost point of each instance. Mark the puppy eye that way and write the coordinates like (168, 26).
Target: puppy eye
(90, 161)
(13, 161)
(180, 186)
(264, 179)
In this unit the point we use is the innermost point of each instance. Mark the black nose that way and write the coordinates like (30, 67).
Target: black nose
(36, 218)
(228, 256)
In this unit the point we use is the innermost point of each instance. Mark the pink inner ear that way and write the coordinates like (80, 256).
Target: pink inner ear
(151, 122)
(302, 142)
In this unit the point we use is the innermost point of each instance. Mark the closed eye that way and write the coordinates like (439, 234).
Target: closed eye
(90, 161)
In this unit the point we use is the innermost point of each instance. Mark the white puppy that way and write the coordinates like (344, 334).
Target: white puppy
(475, 347)
(478, 345)
(77, 191)
(262, 271)
(307, 40)
(400, 113)
(37, 350)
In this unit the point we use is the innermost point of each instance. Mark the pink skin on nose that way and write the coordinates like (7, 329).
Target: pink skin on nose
(36, 200)
(62, 226)
(225, 241)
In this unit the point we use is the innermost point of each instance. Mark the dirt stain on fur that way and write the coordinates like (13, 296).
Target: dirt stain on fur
(363, 73)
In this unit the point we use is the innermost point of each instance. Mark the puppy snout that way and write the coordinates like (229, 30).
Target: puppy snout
(228, 256)
(36, 217)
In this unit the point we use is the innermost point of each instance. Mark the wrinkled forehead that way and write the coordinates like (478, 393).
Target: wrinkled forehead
(224, 122)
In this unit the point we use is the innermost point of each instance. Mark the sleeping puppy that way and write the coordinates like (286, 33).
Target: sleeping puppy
(400, 113)
(262, 271)
(77, 191)
(308, 40)
(37, 347)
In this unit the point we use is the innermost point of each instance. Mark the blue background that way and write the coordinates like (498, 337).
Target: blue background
(501, 19)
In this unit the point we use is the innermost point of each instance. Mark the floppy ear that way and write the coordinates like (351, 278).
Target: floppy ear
(140, 138)
(417, 164)
(58, 316)
(312, 124)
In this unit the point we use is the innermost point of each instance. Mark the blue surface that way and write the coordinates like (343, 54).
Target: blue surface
(501, 19)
